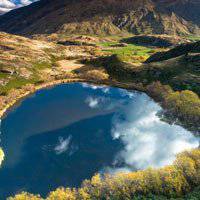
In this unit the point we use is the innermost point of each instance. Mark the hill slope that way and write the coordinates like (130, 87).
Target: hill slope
(104, 17)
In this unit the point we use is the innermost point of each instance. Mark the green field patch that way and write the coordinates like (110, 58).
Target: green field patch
(128, 52)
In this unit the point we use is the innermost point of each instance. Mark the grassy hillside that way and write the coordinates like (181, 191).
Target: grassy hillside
(24, 61)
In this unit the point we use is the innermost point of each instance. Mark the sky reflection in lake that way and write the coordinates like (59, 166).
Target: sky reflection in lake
(148, 141)
(63, 135)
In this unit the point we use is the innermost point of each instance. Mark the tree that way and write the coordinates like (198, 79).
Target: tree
(62, 194)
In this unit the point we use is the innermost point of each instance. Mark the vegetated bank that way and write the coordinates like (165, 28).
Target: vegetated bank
(173, 81)
(175, 181)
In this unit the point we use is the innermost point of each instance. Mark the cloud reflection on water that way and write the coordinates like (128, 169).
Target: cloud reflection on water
(148, 141)
(103, 88)
(123, 133)
(93, 102)
(62, 145)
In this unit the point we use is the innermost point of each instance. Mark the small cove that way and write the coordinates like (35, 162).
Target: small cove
(63, 135)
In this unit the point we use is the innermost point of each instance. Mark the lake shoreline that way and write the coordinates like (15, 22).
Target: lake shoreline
(62, 127)
(50, 84)
(23, 93)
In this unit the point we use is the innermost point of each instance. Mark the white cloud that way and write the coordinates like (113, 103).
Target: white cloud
(103, 88)
(25, 2)
(93, 102)
(126, 93)
(7, 5)
(62, 145)
(107, 104)
(3, 10)
(148, 141)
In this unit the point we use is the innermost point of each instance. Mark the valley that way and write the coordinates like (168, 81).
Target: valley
(128, 56)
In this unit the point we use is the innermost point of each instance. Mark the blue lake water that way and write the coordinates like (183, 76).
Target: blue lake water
(63, 135)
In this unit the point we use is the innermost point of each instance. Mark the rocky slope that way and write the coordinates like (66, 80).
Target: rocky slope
(104, 17)
(187, 9)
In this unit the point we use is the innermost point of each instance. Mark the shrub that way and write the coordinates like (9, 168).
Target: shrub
(159, 91)
(168, 182)
(96, 75)
(62, 194)
(1, 156)
(185, 105)
(25, 196)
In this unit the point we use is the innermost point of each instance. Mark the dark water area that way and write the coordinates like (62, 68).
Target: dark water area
(63, 135)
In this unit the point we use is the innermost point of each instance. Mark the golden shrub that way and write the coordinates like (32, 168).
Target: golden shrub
(25, 196)
(170, 181)
(184, 103)
(97, 75)
(1, 156)
(62, 194)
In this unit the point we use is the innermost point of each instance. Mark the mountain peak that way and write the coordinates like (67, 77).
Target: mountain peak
(104, 17)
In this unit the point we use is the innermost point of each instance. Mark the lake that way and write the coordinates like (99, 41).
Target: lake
(65, 134)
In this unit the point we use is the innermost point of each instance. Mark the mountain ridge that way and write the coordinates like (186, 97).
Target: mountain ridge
(104, 17)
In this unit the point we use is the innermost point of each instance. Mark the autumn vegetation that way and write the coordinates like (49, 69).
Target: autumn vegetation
(175, 181)
(1, 156)
(179, 105)
(172, 83)
(185, 105)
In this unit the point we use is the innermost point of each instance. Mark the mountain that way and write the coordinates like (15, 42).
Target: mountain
(187, 9)
(104, 17)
